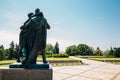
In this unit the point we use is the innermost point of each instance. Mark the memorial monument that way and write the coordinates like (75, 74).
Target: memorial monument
(32, 40)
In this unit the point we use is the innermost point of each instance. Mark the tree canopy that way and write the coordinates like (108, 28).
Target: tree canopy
(81, 49)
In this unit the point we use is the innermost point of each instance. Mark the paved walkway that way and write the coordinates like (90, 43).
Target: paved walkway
(93, 71)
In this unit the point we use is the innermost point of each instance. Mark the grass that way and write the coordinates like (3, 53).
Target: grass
(63, 61)
(102, 59)
(57, 59)
(53, 61)
(6, 62)
(90, 57)
(66, 64)
(109, 60)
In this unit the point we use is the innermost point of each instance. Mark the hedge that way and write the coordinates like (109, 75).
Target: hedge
(58, 55)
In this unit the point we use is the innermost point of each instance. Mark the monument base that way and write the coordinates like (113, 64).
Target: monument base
(26, 73)
(38, 65)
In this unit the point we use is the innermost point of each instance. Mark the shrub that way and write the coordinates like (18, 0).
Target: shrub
(58, 55)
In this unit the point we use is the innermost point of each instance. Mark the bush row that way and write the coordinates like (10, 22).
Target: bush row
(58, 55)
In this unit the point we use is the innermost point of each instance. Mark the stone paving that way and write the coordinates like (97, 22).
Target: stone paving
(94, 70)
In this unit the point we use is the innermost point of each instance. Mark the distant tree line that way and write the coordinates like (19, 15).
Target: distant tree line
(113, 52)
(50, 49)
(84, 49)
(81, 49)
(11, 52)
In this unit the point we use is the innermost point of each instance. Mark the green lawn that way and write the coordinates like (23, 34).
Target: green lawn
(90, 57)
(109, 60)
(102, 59)
(58, 59)
(6, 62)
(63, 61)
(53, 61)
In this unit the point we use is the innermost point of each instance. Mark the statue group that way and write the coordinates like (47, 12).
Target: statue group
(32, 38)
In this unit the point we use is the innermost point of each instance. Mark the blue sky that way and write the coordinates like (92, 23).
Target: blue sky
(92, 22)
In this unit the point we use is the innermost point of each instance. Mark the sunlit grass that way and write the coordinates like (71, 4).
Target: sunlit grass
(90, 56)
(104, 59)
(53, 61)
(51, 58)
(109, 60)
(57, 59)
(6, 62)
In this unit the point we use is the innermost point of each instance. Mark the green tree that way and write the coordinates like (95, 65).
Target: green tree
(56, 48)
(6, 53)
(2, 52)
(106, 53)
(49, 49)
(83, 49)
(11, 50)
(111, 52)
(98, 52)
(15, 51)
(117, 52)
(92, 49)
(71, 50)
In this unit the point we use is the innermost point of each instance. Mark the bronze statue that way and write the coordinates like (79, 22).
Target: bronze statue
(32, 38)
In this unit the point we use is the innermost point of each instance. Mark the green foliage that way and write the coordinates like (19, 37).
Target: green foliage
(98, 52)
(58, 55)
(112, 52)
(11, 50)
(71, 50)
(2, 52)
(117, 52)
(9, 53)
(84, 49)
(106, 53)
(56, 48)
(15, 51)
(49, 49)
(81, 49)
(52, 50)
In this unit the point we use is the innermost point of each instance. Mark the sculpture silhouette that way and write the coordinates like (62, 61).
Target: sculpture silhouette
(32, 38)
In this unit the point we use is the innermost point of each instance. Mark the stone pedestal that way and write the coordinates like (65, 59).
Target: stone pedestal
(26, 74)
(38, 65)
